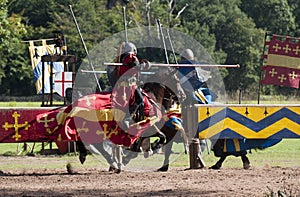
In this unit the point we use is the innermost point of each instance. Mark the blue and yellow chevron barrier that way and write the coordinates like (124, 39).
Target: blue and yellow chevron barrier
(258, 121)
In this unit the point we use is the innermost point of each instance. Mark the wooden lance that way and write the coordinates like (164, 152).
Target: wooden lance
(183, 65)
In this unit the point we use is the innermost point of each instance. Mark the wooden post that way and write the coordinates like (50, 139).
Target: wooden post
(196, 161)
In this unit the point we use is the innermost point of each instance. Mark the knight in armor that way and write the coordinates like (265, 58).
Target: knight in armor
(194, 84)
(127, 95)
(192, 81)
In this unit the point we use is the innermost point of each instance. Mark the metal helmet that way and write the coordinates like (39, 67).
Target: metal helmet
(188, 54)
(129, 47)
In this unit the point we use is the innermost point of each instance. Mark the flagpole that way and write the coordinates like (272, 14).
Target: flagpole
(261, 73)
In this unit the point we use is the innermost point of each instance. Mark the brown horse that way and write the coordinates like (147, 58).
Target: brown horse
(163, 96)
(169, 131)
(97, 120)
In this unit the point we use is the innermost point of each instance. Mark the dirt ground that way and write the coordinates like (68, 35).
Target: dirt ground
(91, 181)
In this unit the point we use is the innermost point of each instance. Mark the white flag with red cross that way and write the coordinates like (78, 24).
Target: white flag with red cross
(62, 81)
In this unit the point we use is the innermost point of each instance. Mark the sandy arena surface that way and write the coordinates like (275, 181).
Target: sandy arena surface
(90, 181)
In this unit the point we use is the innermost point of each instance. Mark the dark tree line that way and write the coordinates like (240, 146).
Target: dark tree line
(232, 31)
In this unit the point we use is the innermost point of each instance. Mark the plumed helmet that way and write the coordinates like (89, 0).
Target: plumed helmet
(188, 54)
(129, 47)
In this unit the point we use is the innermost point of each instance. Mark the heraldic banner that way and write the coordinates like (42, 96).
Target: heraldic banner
(36, 52)
(281, 61)
(89, 119)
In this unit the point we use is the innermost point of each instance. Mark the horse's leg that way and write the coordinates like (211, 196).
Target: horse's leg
(167, 154)
(117, 155)
(219, 163)
(82, 151)
(170, 136)
(132, 152)
(246, 162)
(128, 155)
(146, 147)
(145, 144)
(135, 147)
(160, 142)
(108, 157)
(185, 140)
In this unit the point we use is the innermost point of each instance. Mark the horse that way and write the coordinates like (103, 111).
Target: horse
(238, 147)
(161, 95)
(107, 128)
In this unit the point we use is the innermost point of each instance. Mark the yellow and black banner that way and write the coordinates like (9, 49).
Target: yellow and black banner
(248, 121)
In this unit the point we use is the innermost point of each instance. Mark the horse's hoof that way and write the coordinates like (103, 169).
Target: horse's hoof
(215, 167)
(148, 154)
(111, 169)
(246, 166)
(163, 169)
(82, 158)
(30, 154)
(117, 171)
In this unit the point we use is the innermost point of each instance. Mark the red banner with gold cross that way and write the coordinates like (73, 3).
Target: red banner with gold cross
(21, 125)
(90, 119)
(281, 63)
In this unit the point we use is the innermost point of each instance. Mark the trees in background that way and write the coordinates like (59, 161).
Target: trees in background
(231, 37)
(15, 73)
(232, 31)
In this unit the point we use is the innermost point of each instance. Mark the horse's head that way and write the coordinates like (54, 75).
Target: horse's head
(173, 88)
(170, 98)
(177, 89)
(164, 84)
(161, 94)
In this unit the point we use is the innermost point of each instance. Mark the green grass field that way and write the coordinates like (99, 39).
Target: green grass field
(284, 154)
